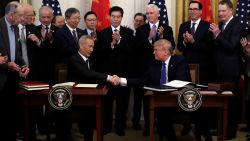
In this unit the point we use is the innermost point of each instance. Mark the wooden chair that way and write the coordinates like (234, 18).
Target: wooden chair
(194, 72)
(60, 73)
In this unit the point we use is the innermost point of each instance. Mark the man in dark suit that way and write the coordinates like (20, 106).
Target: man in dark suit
(82, 70)
(176, 68)
(145, 36)
(228, 55)
(28, 46)
(11, 70)
(114, 57)
(66, 38)
(195, 42)
(90, 19)
(196, 45)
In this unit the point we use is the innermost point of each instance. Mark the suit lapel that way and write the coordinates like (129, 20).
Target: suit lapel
(4, 34)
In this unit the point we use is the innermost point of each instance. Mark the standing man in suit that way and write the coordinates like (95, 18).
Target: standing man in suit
(11, 70)
(139, 20)
(66, 38)
(145, 37)
(228, 56)
(28, 46)
(46, 34)
(59, 21)
(114, 57)
(176, 68)
(195, 42)
(81, 69)
(90, 19)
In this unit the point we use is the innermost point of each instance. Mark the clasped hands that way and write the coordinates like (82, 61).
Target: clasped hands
(188, 38)
(245, 44)
(22, 70)
(3, 59)
(115, 80)
(116, 38)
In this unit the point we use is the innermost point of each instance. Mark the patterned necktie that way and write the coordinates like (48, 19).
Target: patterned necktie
(74, 35)
(163, 79)
(193, 28)
(24, 47)
(155, 32)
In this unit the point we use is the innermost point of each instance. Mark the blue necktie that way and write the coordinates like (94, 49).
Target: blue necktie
(163, 79)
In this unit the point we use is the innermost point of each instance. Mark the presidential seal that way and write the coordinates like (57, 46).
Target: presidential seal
(189, 99)
(60, 98)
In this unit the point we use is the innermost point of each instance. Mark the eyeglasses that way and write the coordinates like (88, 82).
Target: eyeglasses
(193, 9)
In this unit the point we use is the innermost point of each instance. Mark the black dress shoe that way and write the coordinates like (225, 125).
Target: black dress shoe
(186, 129)
(230, 136)
(120, 132)
(145, 133)
(246, 129)
(137, 126)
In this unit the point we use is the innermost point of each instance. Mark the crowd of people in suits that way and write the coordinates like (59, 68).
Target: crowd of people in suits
(122, 59)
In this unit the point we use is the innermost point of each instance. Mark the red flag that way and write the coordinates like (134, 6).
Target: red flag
(101, 8)
(207, 11)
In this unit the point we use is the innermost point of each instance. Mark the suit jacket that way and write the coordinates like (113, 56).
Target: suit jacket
(117, 60)
(5, 73)
(143, 49)
(200, 51)
(65, 43)
(228, 51)
(177, 70)
(78, 71)
(31, 50)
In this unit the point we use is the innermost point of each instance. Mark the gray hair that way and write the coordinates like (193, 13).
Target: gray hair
(165, 44)
(84, 38)
(155, 7)
(46, 8)
(11, 7)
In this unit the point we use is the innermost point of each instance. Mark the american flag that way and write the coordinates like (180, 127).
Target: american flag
(163, 10)
(54, 4)
(243, 7)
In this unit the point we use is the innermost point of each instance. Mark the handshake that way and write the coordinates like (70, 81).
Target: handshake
(114, 80)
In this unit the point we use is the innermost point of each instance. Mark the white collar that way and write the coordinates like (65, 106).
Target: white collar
(113, 28)
(83, 57)
(151, 24)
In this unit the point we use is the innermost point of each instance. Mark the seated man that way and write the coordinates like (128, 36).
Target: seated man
(166, 67)
(81, 70)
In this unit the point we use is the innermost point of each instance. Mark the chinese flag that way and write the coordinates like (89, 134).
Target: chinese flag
(101, 8)
(207, 11)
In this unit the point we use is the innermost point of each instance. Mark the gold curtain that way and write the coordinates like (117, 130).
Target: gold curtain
(182, 11)
(24, 1)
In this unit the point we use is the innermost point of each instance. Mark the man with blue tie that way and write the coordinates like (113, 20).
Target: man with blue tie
(11, 70)
(228, 57)
(145, 37)
(166, 67)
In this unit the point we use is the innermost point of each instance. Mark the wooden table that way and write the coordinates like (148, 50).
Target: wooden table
(210, 99)
(81, 97)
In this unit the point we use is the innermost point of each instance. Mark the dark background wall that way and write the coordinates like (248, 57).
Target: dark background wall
(2, 6)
